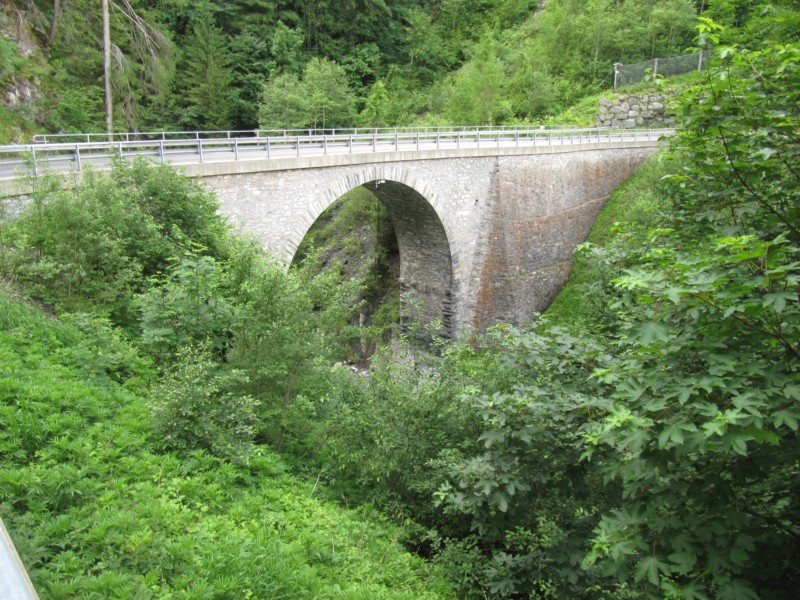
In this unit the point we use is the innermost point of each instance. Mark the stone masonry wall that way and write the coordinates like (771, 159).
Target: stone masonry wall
(508, 223)
(627, 111)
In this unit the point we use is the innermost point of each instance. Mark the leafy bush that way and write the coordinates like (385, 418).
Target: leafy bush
(668, 440)
(190, 306)
(199, 405)
(93, 247)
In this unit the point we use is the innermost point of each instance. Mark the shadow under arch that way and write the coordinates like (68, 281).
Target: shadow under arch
(426, 265)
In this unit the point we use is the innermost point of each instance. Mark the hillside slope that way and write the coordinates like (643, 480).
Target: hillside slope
(97, 507)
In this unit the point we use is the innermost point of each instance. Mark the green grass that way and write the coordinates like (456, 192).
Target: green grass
(96, 509)
(581, 114)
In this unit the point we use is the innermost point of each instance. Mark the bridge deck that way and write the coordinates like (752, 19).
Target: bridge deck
(215, 156)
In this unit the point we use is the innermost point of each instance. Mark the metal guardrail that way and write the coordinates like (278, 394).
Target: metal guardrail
(202, 147)
(133, 136)
(14, 581)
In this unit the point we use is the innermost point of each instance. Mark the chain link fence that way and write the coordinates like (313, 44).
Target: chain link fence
(672, 65)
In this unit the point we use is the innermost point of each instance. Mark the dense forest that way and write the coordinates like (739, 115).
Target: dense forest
(242, 64)
(181, 418)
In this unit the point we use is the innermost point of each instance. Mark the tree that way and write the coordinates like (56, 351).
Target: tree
(206, 74)
(283, 103)
(375, 107)
(677, 427)
(477, 97)
(287, 49)
(107, 68)
(322, 98)
(331, 103)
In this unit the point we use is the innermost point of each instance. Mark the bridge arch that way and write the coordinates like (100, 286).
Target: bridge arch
(426, 258)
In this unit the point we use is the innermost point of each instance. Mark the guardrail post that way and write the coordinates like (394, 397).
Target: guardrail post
(477, 137)
(235, 147)
(33, 160)
(297, 141)
(418, 140)
(350, 143)
(161, 150)
(119, 150)
(325, 144)
(78, 156)
(375, 141)
(396, 142)
(458, 139)
(267, 146)
(200, 149)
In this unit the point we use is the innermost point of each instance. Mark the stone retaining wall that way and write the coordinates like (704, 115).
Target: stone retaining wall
(626, 111)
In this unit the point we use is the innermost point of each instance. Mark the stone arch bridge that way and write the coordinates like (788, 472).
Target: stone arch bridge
(485, 231)
(485, 236)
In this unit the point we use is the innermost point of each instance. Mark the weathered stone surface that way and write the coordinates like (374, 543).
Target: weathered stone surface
(483, 240)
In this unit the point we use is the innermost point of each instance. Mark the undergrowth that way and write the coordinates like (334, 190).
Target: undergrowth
(97, 508)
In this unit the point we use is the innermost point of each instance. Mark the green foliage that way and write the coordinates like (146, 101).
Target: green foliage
(378, 437)
(11, 61)
(189, 306)
(206, 75)
(375, 106)
(197, 407)
(673, 418)
(704, 396)
(322, 98)
(95, 509)
(94, 246)
(742, 126)
(476, 98)
(204, 64)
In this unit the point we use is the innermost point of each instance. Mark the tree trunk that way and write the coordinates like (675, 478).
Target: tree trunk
(107, 67)
(54, 23)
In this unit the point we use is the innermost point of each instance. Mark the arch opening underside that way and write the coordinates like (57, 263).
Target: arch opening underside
(426, 271)
(426, 268)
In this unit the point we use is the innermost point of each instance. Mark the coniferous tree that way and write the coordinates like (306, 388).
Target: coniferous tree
(208, 76)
